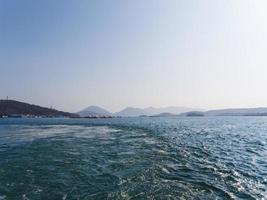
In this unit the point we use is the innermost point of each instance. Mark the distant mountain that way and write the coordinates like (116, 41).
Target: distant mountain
(231, 112)
(94, 111)
(237, 112)
(165, 115)
(150, 111)
(131, 112)
(193, 114)
(12, 107)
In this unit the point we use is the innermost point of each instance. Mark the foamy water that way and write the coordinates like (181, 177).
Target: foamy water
(134, 158)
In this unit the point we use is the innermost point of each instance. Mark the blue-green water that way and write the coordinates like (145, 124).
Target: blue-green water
(134, 158)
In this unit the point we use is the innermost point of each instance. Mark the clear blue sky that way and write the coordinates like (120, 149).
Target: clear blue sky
(71, 54)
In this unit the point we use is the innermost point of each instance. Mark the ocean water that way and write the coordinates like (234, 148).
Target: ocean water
(134, 158)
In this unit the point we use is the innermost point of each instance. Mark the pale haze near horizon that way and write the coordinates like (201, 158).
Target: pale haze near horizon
(72, 54)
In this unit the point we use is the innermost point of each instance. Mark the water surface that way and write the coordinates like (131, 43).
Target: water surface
(134, 158)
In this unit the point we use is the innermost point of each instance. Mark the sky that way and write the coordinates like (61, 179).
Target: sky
(72, 54)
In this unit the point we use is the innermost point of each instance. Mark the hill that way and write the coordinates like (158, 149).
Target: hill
(94, 111)
(231, 112)
(12, 107)
(165, 115)
(237, 112)
(151, 111)
(131, 112)
(193, 114)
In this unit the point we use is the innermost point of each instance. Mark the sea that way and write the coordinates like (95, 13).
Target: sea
(134, 158)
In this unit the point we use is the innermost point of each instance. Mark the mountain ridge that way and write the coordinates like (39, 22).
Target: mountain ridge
(134, 111)
(94, 111)
(13, 107)
(258, 111)
(150, 111)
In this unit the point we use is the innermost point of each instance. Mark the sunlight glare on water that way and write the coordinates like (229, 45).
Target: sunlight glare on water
(147, 158)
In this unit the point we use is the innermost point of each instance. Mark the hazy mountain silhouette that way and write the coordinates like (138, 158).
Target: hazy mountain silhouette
(12, 107)
(232, 112)
(133, 112)
(94, 111)
(237, 112)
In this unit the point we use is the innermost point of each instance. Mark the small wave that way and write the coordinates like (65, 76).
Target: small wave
(208, 158)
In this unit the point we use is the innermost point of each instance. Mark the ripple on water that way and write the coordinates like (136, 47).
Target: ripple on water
(204, 158)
